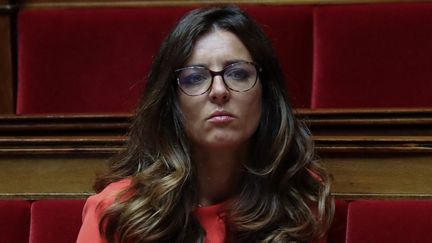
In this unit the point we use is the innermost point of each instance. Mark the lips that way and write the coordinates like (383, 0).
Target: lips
(221, 117)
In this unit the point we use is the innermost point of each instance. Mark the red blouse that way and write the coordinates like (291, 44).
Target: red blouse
(210, 217)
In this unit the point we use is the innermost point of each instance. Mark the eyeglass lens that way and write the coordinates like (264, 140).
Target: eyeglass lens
(197, 80)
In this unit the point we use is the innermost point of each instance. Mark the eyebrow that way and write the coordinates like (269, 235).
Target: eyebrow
(229, 62)
(225, 63)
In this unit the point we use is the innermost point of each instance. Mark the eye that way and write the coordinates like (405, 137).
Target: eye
(192, 78)
(237, 74)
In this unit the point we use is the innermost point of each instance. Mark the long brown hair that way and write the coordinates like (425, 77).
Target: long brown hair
(285, 193)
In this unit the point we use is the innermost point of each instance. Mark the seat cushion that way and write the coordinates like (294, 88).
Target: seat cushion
(379, 221)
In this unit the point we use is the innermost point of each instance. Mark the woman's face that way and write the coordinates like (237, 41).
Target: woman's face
(220, 118)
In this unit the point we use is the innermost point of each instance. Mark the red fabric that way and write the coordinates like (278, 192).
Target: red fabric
(372, 55)
(337, 232)
(14, 221)
(96, 60)
(289, 28)
(54, 221)
(89, 232)
(212, 220)
(87, 60)
(389, 221)
(94, 207)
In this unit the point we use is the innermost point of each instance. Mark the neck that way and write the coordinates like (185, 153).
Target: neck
(219, 174)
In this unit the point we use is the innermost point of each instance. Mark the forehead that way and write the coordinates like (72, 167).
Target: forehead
(218, 48)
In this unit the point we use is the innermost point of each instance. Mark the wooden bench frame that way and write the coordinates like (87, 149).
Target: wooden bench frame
(371, 153)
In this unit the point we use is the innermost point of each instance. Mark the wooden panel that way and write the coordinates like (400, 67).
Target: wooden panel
(369, 122)
(381, 175)
(56, 156)
(371, 153)
(6, 85)
(379, 153)
(34, 177)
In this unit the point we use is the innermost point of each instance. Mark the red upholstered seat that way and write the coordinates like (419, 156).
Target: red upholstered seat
(96, 60)
(372, 55)
(371, 221)
(389, 221)
(337, 232)
(14, 221)
(289, 28)
(54, 221)
(87, 60)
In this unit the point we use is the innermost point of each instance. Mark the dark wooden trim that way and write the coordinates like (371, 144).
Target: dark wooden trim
(7, 7)
(344, 196)
(6, 76)
(111, 146)
(338, 131)
(390, 196)
(44, 195)
(60, 124)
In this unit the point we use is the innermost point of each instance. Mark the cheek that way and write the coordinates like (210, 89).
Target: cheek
(190, 111)
(256, 113)
(253, 108)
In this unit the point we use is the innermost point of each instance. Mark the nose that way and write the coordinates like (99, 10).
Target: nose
(219, 92)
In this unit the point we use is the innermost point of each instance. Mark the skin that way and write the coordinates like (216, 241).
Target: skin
(220, 144)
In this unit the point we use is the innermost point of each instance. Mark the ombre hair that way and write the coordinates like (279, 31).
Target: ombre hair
(285, 192)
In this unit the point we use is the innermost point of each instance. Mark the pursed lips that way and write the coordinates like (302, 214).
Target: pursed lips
(221, 117)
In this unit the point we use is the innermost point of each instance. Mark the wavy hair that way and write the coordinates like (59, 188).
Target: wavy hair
(285, 192)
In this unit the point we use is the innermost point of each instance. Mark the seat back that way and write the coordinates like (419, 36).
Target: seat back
(289, 28)
(55, 221)
(14, 221)
(96, 60)
(87, 60)
(337, 232)
(372, 55)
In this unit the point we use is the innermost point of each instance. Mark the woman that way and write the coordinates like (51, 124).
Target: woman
(215, 153)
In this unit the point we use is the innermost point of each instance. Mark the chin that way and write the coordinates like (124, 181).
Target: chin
(228, 143)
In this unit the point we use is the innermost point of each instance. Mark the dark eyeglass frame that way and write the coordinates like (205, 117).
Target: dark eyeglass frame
(220, 73)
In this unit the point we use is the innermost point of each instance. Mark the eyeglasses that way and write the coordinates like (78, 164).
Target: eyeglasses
(197, 80)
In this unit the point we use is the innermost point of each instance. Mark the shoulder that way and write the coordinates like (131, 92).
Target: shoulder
(93, 209)
(114, 188)
(108, 195)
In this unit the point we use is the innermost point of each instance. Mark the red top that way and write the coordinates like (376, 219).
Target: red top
(210, 217)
